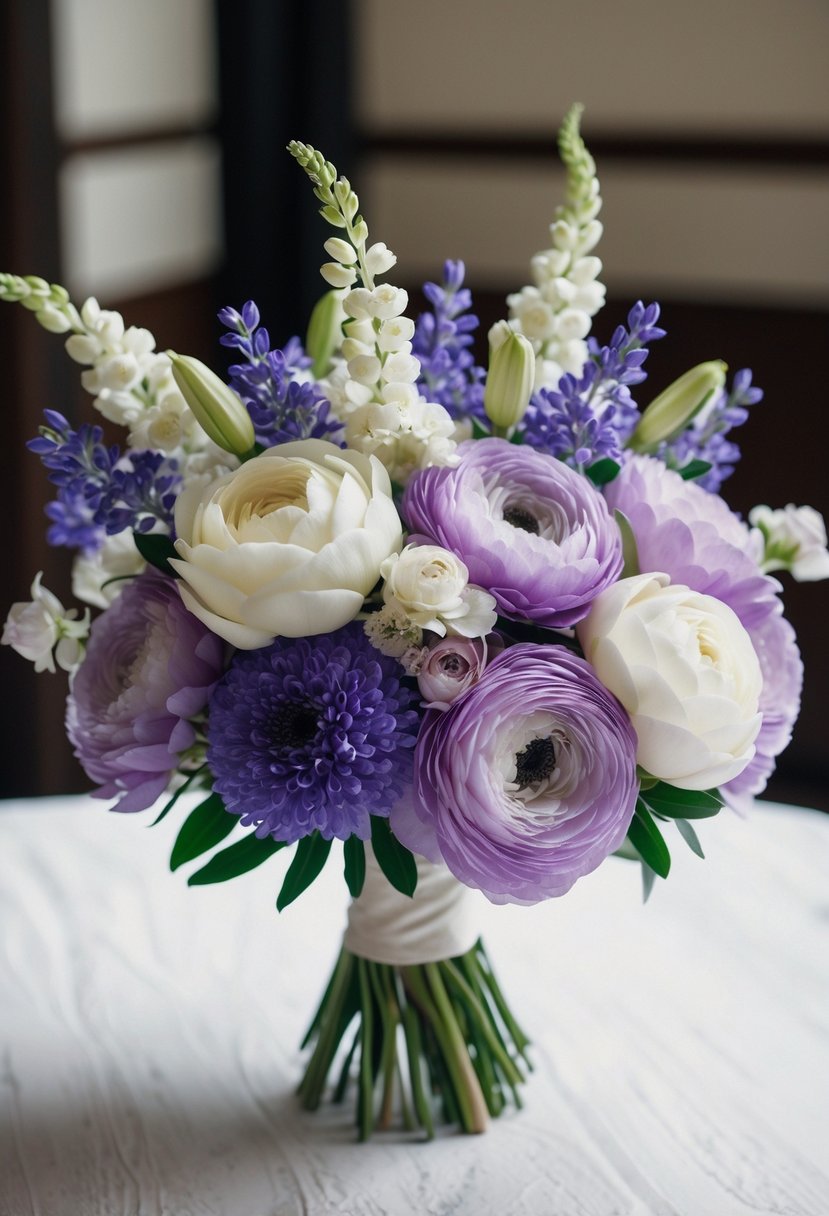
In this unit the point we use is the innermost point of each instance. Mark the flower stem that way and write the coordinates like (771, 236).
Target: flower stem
(448, 1018)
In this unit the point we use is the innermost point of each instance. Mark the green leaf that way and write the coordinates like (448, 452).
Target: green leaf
(311, 855)
(181, 789)
(690, 837)
(647, 839)
(204, 827)
(630, 553)
(354, 852)
(694, 468)
(478, 431)
(393, 858)
(648, 879)
(517, 437)
(156, 548)
(236, 859)
(602, 471)
(667, 800)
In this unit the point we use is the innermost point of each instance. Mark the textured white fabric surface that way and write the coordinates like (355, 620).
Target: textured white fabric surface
(149, 1036)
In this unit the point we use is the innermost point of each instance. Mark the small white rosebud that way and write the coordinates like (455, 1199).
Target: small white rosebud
(217, 409)
(670, 412)
(509, 381)
(338, 276)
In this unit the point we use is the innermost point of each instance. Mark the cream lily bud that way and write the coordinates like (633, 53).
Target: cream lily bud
(673, 409)
(217, 409)
(509, 381)
(325, 331)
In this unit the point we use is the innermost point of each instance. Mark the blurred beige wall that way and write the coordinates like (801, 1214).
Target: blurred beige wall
(747, 70)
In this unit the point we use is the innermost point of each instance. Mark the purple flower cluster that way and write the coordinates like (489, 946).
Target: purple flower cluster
(312, 733)
(282, 402)
(148, 669)
(99, 490)
(706, 439)
(528, 781)
(530, 531)
(588, 417)
(443, 341)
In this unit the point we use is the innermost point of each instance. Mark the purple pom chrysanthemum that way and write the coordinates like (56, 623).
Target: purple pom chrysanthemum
(532, 532)
(148, 668)
(528, 781)
(312, 733)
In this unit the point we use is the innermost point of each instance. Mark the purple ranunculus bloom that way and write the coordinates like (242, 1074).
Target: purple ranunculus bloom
(693, 536)
(148, 668)
(531, 531)
(782, 668)
(528, 781)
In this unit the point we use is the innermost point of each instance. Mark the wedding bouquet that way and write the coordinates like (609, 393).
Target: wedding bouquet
(495, 624)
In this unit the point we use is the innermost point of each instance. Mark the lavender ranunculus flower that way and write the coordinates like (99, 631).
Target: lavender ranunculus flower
(692, 536)
(148, 668)
(528, 780)
(532, 532)
(782, 669)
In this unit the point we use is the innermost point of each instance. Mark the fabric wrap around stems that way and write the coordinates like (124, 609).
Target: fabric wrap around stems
(436, 923)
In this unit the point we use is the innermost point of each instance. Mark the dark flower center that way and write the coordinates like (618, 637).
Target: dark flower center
(292, 725)
(520, 517)
(535, 762)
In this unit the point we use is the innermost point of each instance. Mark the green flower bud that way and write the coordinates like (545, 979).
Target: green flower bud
(509, 381)
(218, 410)
(325, 331)
(670, 412)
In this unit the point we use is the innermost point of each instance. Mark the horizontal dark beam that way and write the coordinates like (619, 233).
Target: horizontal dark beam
(144, 137)
(678, 148)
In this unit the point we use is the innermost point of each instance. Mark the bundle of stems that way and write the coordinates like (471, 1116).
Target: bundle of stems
(431, 1043)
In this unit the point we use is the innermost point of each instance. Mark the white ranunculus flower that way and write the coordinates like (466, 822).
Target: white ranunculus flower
(431, 585)
(685, 670)
(289, 544)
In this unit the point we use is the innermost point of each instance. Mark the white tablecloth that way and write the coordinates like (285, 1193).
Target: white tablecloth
(149, 1036)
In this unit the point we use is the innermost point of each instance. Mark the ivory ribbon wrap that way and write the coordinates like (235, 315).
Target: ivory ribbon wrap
(439, 921)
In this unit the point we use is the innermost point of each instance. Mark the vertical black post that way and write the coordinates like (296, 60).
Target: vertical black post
(34, 756)
(285, 73)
